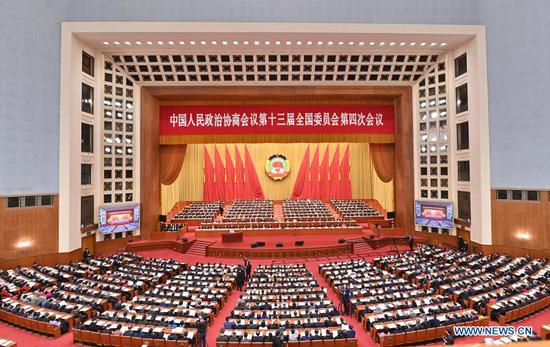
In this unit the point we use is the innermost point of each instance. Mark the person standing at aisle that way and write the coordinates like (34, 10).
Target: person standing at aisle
(201, 330)
(345, 298)
(248, 270)
(240, 278)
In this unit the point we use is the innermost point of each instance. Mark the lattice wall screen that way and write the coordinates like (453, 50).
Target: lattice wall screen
(434, 133)
(153, 69)
(118, 136)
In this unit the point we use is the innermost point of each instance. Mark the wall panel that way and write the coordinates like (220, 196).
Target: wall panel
(150, 170)
(522, 224)
(365, 183)
(37, 226)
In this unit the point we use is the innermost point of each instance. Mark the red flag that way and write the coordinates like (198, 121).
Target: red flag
(323, 177)
(252, 181)
(208, 192)
(229, 176)
(334, 180)
(298, 190)
(345, 182)
(220, 175)
(239, 176)
(314, 175)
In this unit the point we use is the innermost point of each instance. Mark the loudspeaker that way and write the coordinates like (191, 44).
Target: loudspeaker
(391, 215)
(341, 241)
(299, 243)
(279, 244)
(162, 218)
(260, 243)
(253, 245)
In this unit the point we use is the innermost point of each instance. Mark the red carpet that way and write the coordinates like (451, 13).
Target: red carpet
(27, 339)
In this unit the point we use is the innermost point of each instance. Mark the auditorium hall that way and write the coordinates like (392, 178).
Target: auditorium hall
(306, 173)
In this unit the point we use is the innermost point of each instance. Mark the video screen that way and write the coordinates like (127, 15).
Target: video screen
(434, 214)
(118, 219)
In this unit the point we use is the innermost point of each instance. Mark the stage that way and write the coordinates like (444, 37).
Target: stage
(313, 245)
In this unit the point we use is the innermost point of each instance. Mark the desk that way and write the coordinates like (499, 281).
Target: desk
(232, 237)
(545, 332)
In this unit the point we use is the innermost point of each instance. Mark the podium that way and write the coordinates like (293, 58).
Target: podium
(232, 237)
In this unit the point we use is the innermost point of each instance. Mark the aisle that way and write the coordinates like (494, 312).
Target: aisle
(213, 330)
(363, 338)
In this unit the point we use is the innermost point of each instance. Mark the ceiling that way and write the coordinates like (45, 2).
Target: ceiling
(273, 53)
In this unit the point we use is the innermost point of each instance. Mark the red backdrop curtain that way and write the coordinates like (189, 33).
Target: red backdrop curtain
(383, 160)
(229, 176)
(171, 159)
(239, 176)
(219, 175)
(314, 175)
(252, 181)
(209, 190)
(299, 184)
(345, 182)
(323, 177)
(334, 174)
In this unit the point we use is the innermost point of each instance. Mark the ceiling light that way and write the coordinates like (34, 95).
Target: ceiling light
(267, 43)
(371, 43)
(340, 43)
(320, 43)
(432, 44)
(203, 43)
(288, 43)
(298, 43)
(361, 43)
(443, 44)
(423, 44)
(116, 43)
(392, 43)
(149, 42)
(160, 42)
(224, 42)
(382, 43)
(413, 43)
(277, 42)
(106, 43)
(172, 43)
(351, 43)
(182, 42)
(255, 42)
(330, 43)
(309, 43)
(402, 44)
(192, 42)
(138, 42)
(235, 42)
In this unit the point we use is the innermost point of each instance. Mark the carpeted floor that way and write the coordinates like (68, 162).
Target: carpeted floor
(27, 339)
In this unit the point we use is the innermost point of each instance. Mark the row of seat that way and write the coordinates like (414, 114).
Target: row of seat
(421, 336)
(31, 324)
(309, 343)
(521, 312)
(116, 340)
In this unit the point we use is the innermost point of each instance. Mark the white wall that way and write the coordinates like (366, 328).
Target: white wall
(518, 54)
